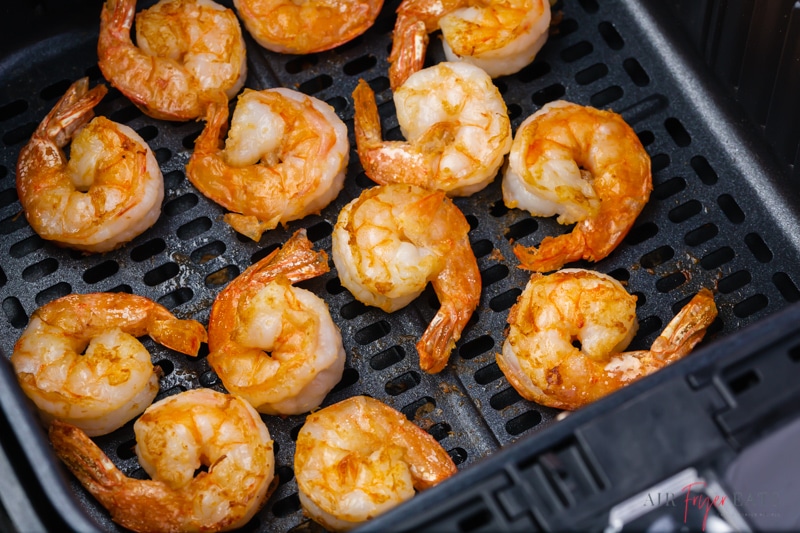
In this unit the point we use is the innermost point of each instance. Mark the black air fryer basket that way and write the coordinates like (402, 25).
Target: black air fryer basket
(712, 88)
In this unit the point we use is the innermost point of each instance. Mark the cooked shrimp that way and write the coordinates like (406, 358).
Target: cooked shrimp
(568, 330)
(456, 125)
(499, 36)
(273, 344)
(306, 26)
(189, 53)
(359, 458)
(391, 241)
(285, 157)
(107, 193)
(584, 164)
(79, 359)
(175, 437)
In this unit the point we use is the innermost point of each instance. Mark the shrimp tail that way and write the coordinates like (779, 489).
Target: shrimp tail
(249, 225)
(409, 45)
(687, 328)
(73, 111)
(438, 340)
(552, 253)
(184, 336)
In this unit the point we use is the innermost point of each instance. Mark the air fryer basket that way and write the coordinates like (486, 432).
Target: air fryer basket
(718, 218)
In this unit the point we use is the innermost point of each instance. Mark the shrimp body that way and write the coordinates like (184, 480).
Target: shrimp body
(79, 359)
(584, 164)
(359, 458)
(271, 343)
(568, 330)
(107, 193)
(499, 36)
(285, 157)
(306, 26)
(189, 53)
(174, 438)
(456, 127)
(388, 243)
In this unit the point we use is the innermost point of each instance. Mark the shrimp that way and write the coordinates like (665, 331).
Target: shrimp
(456, 125)
(567, 332)
(79, 359)
(306, 26)
(285, 157)
(175, 437)
(273, 344)
(499, 36)
(359, 458)
(391, 241)
(189, 53)
(107, 193)
(584, 164)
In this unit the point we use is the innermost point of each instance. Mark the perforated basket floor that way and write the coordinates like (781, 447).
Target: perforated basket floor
(709, 224)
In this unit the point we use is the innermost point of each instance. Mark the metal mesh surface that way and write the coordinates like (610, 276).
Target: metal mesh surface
(706, 225)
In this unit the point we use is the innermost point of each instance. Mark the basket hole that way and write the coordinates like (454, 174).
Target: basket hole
(440, 431)
(636, 73)
(794, 353)
(263, 252)
(350, 377)
(419, 408)
(100, 272)
(167, 366)
(730, 208)
(222, 277)
(704, 233)
(15, 313)
(372, 332)
(177, 297)
(703, 170)
(181, 204)
(504, 398)
(576, 51)
(149, 249)
(482, 247)
(55, 90)
(127, 450)
(620, 274)
(498, 209)
(387, 358)
(194, 228)
(286, 506)
(591, 74)
(649, 325)
(606, 96)
(548, 94)
(26, 246)
(208, 252)
(476, 520)
(173, 179)
(566, 27)
(717, 258)
(734, 281)
(523, 422)
(162, 155)
(19, 134)
(659, 162)
(284, 474)
(316, 84)
(671, 282)
(334, 286)
(353, 309)
(319, 231)
(8, 197)
(493, 274)
(126, 114)
(148, 133)
(672, 186)
(641, 233)
(758, 247)
(750, 306)
(11, 110)
(678, 133)
(610, 35)
(161, 274)
(487, 374)
(786, 287)
(476, 347)
(521, 229)
(458, 455)
(189, 139)
(40, 270)
(402, 383)
(657, 257)
(504, 300)
(3, 277)
(53, 293)
(359, 65)
(743, 382)
(646, 137)
(338, 103)
(685, 211)
(535, 70)
(301, 63)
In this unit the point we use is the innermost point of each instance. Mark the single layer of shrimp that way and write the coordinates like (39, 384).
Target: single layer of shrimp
(391, 241)
(568, 330)
(456, 127)
(359, 458)
(273, 344)
(107, 193)
(306, 26)
(499, 36)
(189, 53)
(175, 437)
(584, 164)
(79, 359)
(285, 157)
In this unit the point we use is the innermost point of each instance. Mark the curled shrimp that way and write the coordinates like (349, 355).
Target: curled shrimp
(456, 125)
(108, 192)
(359, 458)
(79, 359)
(306, 26)
(499, 36)
(285, 157)
(567, 332)
(273, 344)
(175, 437)
(189, 53)
(584, 164)
(391, 241)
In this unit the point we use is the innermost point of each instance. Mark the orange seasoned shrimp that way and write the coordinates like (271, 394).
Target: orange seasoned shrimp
(568, 330)
(306, 26)
(79, 359)
(175, 437)
(359, 458)
(456, 125)
(107, 193)
(273, 344)
(285, 157)
(189, 53)
(391, 241)
(584, 164)
(499, 36)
